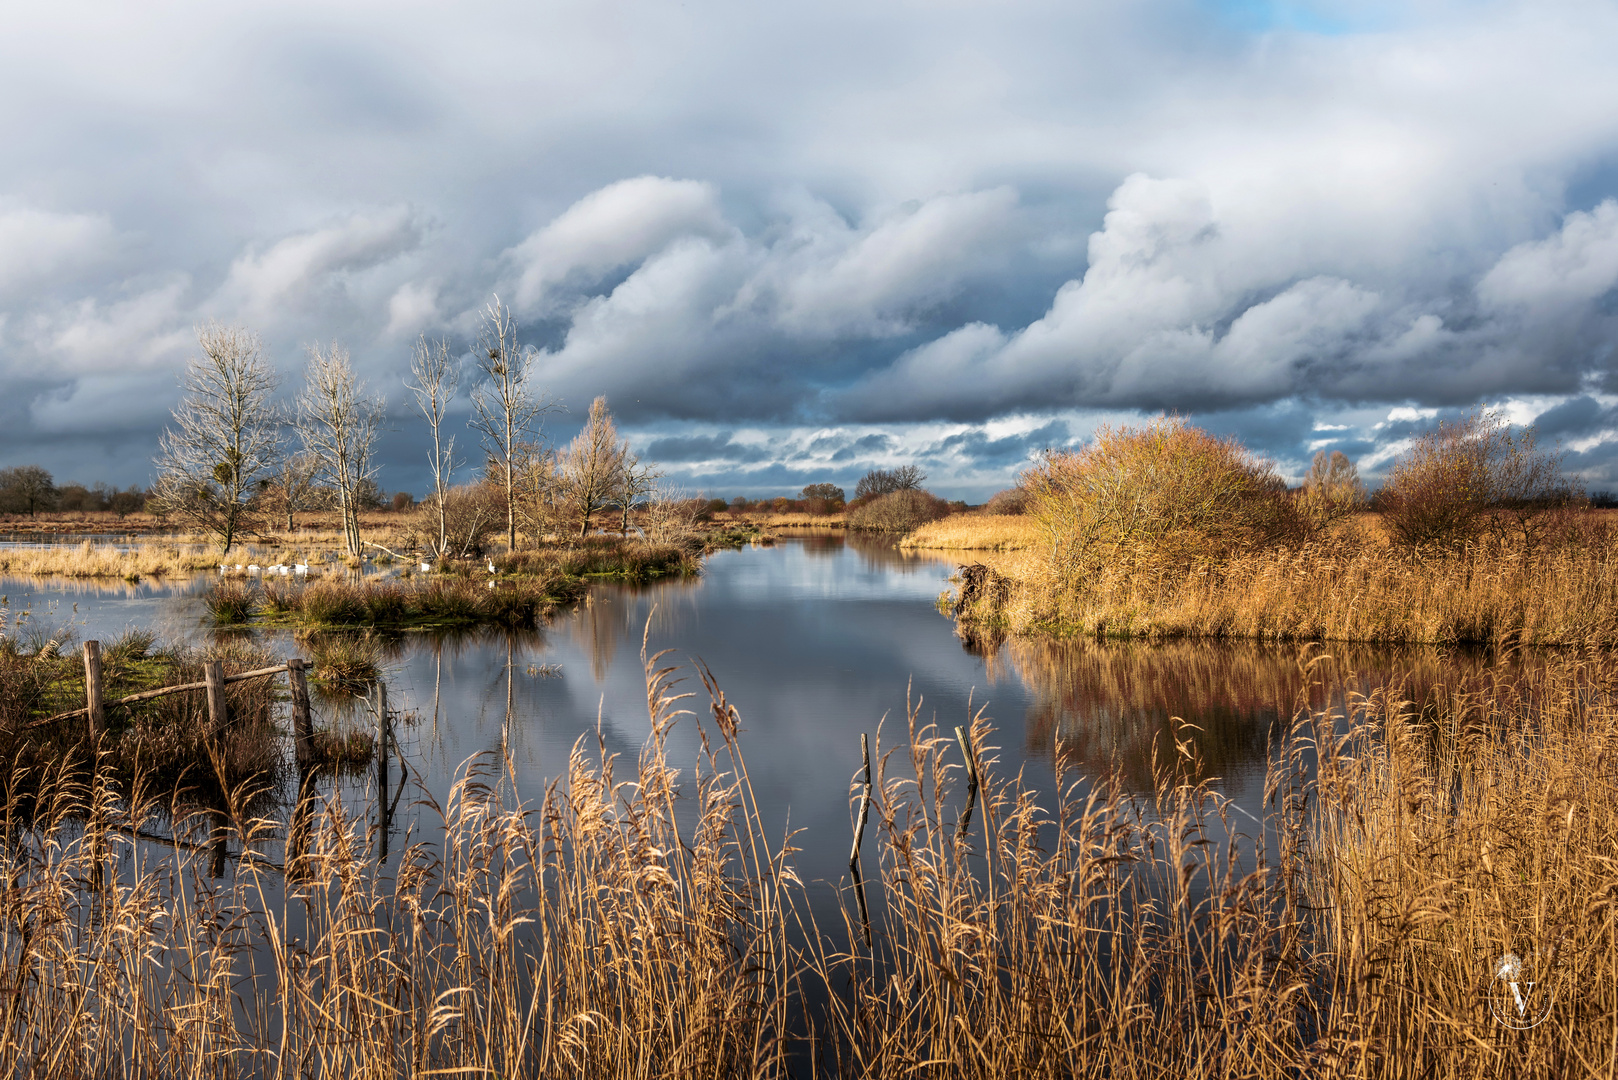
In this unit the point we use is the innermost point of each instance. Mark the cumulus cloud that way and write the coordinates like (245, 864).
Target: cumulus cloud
(288, 272)
(894, 234)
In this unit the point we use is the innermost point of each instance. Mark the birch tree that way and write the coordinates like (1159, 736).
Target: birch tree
(436, 381)
(225, 437)
(635, 481)
(593, 464)
(505, 409)
(339, 424)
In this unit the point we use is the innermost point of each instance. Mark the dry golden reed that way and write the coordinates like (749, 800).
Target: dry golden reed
(92, 560)
(655, 928)
(977, 532)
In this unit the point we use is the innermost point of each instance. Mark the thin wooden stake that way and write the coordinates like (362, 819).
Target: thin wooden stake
(382, 765)
(213, 676)
(965, 740)
(95, 712)
(859, 836)
(303, 729)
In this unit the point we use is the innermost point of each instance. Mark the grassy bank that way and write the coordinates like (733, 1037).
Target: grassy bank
(976, 532)
(524, 586)
(92, 560)
(1348, 591)
(590, 932)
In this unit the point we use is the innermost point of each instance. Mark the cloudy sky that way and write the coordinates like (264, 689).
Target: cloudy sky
(792, 241)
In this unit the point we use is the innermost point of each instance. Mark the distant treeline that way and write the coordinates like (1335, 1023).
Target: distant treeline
(31, 489)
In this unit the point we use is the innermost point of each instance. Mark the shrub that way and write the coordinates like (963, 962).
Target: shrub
(1333, 489)
(898, 511)
(1010, 501)
(827, 492)
(1462, 479)
(1166, 494)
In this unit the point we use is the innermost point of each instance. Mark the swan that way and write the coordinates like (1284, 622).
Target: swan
(426, 567)
(300, 568)
(253, 568)
(492, 570)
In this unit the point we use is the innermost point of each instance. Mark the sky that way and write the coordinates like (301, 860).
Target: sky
(791, 242)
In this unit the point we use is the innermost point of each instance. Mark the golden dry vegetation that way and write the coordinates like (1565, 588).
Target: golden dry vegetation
(93, 560)
(593, 930)
(976, 532)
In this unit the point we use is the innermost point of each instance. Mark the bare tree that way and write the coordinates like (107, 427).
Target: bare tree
(505, 409)
(671, 512)
(435, 385)
(634, 481)
(592, 465)
(225, 435)
(292, 486)
(339, 425)
(538, 488)
(27, 488)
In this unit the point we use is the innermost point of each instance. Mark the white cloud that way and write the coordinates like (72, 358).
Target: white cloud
(261, 283)
(1576, 264)
(621, 224)
(36, 245)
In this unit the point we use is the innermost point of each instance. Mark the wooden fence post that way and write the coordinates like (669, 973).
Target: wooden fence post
(96, 720)
(303, 730)
(213, 674)
(382, 766)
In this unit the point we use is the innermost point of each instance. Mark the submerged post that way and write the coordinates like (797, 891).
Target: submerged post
(965, 739)
(95, 722)
(303, 730)
(382, 766)
(213, 675)
(859, 836)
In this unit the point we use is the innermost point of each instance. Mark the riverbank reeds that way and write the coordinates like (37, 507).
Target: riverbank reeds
(976, 532)
(92, 560)
(1351, 592)
(1356, 929)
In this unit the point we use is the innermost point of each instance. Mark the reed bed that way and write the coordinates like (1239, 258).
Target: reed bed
(92, 560)
(1351, 592)
(976, 532)
(656, 928)
(437, 601)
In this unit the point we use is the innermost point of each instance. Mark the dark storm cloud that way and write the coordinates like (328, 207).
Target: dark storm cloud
(947, 239)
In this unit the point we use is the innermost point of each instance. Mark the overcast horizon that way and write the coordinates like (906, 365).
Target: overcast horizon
(792, 243)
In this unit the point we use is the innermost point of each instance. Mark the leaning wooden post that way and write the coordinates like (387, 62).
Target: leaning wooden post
(859, 835)
(303, 728)
(96, 720)
(213, 675)
(965, 739)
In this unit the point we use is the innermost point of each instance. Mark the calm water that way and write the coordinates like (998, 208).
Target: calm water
(814, 640)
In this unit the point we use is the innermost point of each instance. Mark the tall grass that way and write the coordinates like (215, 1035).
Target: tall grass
(1354, 591)
(92, 560)
(657, 929)
(977, 532)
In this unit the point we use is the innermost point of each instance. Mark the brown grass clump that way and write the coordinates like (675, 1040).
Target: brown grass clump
(977, 532)
(1355, 930)
(92, 560)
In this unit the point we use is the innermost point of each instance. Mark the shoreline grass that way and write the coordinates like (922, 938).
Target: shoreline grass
(525, 586)
(92, 560)
(976, 532)
(1085, 932)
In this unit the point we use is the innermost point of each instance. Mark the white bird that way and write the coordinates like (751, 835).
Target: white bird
(285, 570)
(491, 567)
(252, 568)
(239, 566)
(275, 569)
(426, 567)
(223, 568)
(300, 568)
(491, 584)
